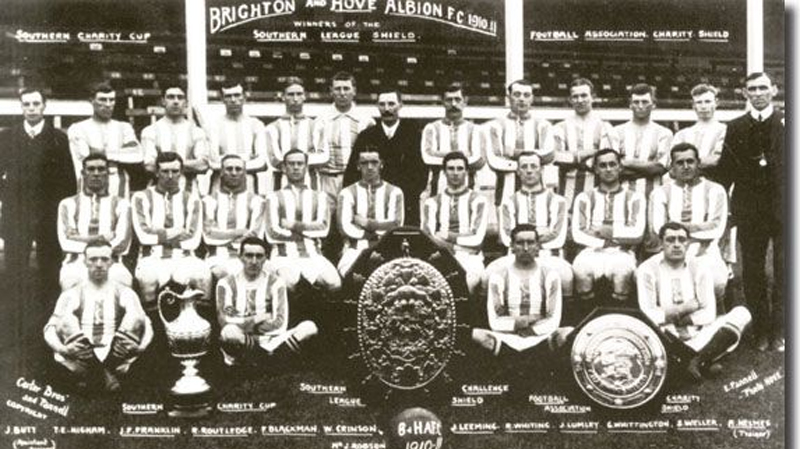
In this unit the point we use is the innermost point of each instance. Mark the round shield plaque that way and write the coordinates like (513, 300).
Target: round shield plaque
(406, 323)
(619, 361)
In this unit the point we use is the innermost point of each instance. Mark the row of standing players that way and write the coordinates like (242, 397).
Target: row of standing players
(501, 142)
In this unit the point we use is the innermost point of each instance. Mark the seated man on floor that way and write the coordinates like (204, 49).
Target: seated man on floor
(296, 221)
(457, 218)
(253, 311)
(367, 209)
(524, 301)
(677, 293)
(98, 327)
(608, 221)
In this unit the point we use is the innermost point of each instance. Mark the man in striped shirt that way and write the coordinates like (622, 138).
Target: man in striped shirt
(98, 327)
(677, 293)
(230, 215)
(546, 210)
(238, 133)
(518, 131)
(457, 218)
(367, 209)
(335, 131)
(524, 301)
(708, 134)
(168, 222)
(577, 139)
(174, 132)
(697, 203)
(297, 219)
(294, 131)
(253, 311)
(102, 134)
(607, 221)
(452, 133)
(643, 143)
(93, 215)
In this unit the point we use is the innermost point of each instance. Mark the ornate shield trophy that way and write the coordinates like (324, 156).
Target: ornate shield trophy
(188, 337)
(618, 361)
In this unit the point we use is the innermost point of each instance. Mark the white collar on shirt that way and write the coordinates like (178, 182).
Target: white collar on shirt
(765, 113)
(35, 129)
(390, 130)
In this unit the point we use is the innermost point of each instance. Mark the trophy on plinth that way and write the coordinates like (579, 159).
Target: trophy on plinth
(188, 337)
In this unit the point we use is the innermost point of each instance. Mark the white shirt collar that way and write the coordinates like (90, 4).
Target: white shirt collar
(36, 129)
(390, 130)
(765, 113)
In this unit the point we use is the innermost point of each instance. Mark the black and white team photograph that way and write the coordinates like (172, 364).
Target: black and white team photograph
(395, 224)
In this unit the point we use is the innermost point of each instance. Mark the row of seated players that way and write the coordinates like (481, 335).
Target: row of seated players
(98, 328)
(607, 224)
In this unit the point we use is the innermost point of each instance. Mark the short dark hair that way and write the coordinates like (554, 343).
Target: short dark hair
(603, 152)
(253, 241)
(94, 157)
(32, 90)
(581, 82)
(101, 87)
(702, 88)
(168, 156)
(643, 89)
(232, 82)
(173, 85)
(97, 243)
(295, 151)
(453, 155)
(754, 75)
(521, 82)
(524, 227)
(455, 86)
(681, 147)
(344, 76)
(529, 154)
(673, 225)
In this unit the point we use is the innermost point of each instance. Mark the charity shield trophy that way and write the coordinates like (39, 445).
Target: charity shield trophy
(188, 337)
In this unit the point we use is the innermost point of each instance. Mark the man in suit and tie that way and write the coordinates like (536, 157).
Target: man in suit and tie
(397, 141)
(753, 160)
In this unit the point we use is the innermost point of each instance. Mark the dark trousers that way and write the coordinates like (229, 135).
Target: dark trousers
(754, 236)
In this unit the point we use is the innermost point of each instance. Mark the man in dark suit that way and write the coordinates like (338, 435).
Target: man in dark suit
(36, 173)
(753, 160)
(397, 141)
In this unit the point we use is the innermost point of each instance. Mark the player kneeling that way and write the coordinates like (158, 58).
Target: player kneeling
(677, 293)
(524, 301)
(98, 327)
(253, 311)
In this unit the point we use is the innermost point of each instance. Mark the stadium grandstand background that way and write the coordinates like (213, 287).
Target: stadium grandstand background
(413, 46)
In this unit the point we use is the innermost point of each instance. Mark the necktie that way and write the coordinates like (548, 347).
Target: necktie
(760, 119)
(32, 134)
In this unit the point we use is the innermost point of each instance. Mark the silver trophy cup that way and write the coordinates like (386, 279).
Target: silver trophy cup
(188, 337)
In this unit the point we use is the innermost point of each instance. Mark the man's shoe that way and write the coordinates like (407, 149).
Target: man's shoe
(762, 344)
(778, 345)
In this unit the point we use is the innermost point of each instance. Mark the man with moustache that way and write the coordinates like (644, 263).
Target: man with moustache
(397, 140)
(452, 133)
(294, 131)
(174, 132)
(753, 159)
(102, 134)
(238, 133)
